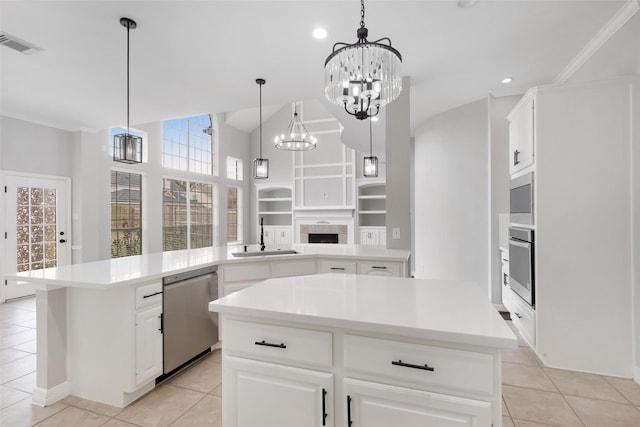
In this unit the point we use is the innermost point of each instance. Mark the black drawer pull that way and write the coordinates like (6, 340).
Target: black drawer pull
(338, 268)
(349, 422)
(324, 407)
(152, 295)
(379, 268)
(268, 344)
(409, 365)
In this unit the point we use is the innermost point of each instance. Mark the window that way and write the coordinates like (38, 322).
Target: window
(126, 210)
(188, 144)
(187, 215)
(234, 214)
(234, 168)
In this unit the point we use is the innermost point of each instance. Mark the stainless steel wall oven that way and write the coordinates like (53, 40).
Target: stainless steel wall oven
(521, 263)
(521, 200)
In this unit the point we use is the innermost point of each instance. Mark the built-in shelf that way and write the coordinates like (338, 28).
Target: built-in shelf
(274, 206)
(372, 197)
(372, 213)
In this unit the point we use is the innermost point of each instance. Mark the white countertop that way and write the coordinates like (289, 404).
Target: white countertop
(138, 269)
(450, 311)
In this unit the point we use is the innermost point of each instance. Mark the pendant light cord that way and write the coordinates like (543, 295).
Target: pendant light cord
(370, 139)
(361, 13)
(260, 120)
(128, 131)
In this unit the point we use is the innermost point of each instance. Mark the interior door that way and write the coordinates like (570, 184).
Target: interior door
(36, 224)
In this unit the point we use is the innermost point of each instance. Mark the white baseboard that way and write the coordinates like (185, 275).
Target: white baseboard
(636, 374)
(500, 307)
(45, 397)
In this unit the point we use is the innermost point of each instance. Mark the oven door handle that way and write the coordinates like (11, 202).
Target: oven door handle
(521, 244)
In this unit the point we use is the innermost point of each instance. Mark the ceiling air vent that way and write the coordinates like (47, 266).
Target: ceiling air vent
(17, 44)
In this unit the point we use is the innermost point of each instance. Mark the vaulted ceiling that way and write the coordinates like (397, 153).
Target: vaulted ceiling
(193, 57)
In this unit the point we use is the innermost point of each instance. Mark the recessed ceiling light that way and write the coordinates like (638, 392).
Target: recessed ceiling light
(374, 119)
(507, 80)
(320, 33)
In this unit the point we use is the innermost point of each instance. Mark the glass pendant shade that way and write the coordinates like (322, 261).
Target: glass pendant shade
(370, 167)
(296, 137)
(260, 165)
(127, 148)
(261, 168)
(363, 76)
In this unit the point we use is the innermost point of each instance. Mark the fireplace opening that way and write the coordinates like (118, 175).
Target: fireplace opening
(323, 238)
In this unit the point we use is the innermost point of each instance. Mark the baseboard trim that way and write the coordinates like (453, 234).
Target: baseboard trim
(636, 374)
(45, 397)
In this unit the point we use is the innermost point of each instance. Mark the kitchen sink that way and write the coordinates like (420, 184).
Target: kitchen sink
(264, 253)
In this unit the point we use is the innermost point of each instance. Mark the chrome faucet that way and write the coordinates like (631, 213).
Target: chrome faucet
(262, 233)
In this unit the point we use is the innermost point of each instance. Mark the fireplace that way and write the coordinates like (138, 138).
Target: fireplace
(323, 238)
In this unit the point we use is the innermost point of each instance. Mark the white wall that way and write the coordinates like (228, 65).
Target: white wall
(85, 157)
(452, 195)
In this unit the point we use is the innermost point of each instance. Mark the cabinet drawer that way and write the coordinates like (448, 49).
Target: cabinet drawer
(380, 268)
(150, 294)
(293, 268)
(239, 273)
(336, 266)
(278, 343)
(452, 369)
(524, 318)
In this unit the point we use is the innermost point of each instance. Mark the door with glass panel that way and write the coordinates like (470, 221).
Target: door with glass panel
(36, 228)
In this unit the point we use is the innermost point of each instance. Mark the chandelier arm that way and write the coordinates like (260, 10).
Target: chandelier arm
(348, 112)
(379, 40)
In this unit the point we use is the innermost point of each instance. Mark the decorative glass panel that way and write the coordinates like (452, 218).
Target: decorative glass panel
(35, 223)
(126, 214)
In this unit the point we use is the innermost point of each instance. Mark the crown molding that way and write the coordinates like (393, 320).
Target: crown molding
(612, 27)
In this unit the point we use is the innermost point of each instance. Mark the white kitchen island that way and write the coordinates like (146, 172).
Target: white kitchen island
(352, 350)
(99, 324)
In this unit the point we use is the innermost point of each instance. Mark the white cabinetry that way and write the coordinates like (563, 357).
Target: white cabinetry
(380, 268)
(283, 375)
(336, 266)
(372, 214)
(148, 344)
(371, 404)
(506, 289)
(522, 134)
(524, 318)
(274, 206)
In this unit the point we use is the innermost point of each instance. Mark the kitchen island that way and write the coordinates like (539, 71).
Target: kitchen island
(99, 324)
(353, 350)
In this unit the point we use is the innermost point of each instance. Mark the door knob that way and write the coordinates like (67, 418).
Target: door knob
(62, 241)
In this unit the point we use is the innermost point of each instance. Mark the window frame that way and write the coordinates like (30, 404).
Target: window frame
(141, 226)
(238, 214)
(189, 147)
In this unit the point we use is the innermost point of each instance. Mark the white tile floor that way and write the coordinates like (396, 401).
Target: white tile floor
(533, 396)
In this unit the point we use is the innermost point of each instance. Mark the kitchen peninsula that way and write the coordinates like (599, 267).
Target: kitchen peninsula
(352, 350)
(99, 324)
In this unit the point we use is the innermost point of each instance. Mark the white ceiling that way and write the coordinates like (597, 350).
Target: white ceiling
(194, 57)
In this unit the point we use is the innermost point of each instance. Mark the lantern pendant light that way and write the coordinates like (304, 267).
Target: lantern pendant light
(127, 148)
(363, 76)
(260, 165)
(370, 164)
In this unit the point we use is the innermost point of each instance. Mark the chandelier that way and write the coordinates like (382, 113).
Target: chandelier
(127, 148)
(296, 137)
(363, 76)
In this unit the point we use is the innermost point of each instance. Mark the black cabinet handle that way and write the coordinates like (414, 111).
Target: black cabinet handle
(379, 268)
(516, 162)
(505, 278)
(161, 323)
(337, 268)
(268, 344)
(518, 315)
(409, 365)
(152, 295)
(324, 407)
(349, 422)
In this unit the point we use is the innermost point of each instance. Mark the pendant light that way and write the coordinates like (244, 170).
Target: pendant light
(260, 165)
(363, 76)
(370, 164)
(296, 137)
(127, 148)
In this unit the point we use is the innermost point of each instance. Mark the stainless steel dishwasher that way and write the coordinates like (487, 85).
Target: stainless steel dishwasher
(190, 329)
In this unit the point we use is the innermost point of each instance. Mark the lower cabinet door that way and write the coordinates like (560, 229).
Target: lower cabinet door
(369, 404)
(269, 395)
(148, 345)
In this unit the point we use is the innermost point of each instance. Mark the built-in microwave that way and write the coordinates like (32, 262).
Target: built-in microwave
(521, 200)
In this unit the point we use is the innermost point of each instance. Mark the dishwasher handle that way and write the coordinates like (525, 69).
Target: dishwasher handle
(187, 275)
(213, 277)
